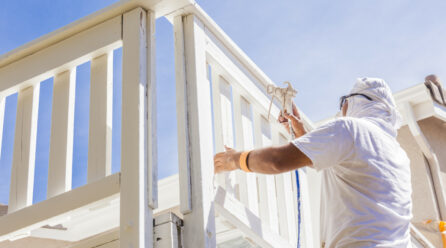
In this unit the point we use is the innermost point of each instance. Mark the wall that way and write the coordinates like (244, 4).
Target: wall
(424, 204)
(435, 132)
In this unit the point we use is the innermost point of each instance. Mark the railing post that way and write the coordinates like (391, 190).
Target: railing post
(23, 160)
(136, 219)
(195, 145)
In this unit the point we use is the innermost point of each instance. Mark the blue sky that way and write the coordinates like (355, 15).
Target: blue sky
(320, 46)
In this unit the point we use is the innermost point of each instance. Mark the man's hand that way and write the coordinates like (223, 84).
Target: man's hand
(226, 161)
(296, 122)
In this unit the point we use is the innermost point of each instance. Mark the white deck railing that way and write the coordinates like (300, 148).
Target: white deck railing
(221, 100)
(134, 31)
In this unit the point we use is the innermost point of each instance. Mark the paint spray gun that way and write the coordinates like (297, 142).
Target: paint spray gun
(285, 95)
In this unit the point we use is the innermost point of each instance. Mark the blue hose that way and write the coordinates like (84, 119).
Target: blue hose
(298, 209)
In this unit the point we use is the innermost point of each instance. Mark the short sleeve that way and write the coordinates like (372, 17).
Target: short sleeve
(328, 145)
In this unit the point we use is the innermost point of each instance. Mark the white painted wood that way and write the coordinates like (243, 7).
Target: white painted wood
(247, 222)
(136, 228)
(306, 220)
(284, 191)
(101, 110)
(268, 201)
(87, 221)
(182, 119)
(214, 30)
(245, 85)
(314, 179)
(267, 185)
(58, 207)
(245, 141)
(199, 230)
(161, 8)
(105, 240)
(167, 231)
(291, 222)
(61, 56)
(166, 235)
(219, 137)
(227, 129)
(152, 151)
(248, 84)
(268, 182)
(169, 193)
(241, 186)
(2, 119)
(103, 215)
(286, 196)
(226, 113)
(217, 109)
(223, 129)
(61, 139)
(23, 159)
(295, 203)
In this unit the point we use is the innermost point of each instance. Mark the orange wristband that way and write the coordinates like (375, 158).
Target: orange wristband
(442, 226)
(244, 161)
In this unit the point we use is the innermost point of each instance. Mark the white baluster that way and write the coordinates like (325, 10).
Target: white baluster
(245, 141)
(284, 190)
(61, 140)
(267, 192)
(101, 108)
(23, 160)
(227, 129)
(218, 120)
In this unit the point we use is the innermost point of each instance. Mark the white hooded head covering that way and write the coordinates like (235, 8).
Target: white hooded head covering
(381, 109)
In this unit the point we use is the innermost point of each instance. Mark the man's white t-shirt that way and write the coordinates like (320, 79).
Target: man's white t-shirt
(366, 187)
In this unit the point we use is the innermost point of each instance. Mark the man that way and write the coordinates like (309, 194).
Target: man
(366, 189)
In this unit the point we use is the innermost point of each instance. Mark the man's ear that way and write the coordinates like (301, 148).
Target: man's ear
(345, 107)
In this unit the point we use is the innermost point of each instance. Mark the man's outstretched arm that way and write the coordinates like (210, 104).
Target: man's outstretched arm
(270, 160)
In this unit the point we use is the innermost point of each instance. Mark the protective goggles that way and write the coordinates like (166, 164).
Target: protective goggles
(343, 98)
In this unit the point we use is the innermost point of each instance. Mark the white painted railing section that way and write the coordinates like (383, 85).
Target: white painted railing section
(134, 31)
(207, 70)
(210, 71)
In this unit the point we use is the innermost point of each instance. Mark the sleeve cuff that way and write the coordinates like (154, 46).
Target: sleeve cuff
(302, 148)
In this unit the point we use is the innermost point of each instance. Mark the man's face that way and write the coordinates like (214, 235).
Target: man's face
(344, 108)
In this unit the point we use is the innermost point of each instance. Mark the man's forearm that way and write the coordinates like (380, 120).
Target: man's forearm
(274, 160)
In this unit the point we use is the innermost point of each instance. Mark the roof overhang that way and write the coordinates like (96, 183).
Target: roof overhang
(422, 103)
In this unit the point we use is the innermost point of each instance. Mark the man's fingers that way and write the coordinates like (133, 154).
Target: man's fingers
(282, 119)
(289, 117)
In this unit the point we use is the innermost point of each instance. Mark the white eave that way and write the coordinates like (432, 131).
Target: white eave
(421, 100)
